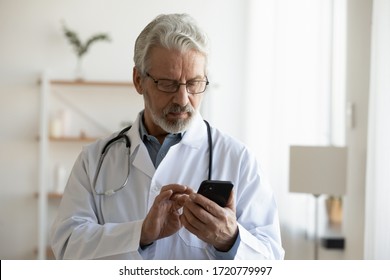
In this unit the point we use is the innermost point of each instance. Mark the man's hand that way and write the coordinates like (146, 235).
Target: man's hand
(210, 222)
(163, 218)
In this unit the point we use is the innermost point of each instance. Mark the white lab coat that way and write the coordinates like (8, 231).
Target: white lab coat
(89, 226)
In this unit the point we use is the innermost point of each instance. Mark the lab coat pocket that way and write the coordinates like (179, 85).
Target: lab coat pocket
(190, 239)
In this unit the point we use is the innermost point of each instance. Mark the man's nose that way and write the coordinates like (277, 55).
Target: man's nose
(181, 96)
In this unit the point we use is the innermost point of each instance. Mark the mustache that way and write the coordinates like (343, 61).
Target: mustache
(175, 108)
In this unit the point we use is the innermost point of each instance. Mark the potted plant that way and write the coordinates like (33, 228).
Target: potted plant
(81, 48)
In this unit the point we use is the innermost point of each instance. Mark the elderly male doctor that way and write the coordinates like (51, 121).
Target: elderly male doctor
(157, 213)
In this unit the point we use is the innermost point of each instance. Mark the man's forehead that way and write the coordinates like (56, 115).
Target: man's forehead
(174, 59)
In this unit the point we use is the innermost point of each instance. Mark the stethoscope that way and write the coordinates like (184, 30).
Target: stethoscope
(123, 137)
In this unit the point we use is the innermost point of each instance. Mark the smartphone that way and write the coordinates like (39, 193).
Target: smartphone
(217, 191)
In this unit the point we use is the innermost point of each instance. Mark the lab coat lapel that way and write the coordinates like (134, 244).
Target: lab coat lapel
(196, 133)
(139, 154)
(143, 162)
(193, 138)
(178, 164)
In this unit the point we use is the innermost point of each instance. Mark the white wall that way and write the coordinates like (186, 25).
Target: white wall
(357, 87)
(377, 231)
(31, 40)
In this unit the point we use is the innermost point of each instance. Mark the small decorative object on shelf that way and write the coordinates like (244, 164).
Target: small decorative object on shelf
(60, 124)
(82, 48)
(60, 178)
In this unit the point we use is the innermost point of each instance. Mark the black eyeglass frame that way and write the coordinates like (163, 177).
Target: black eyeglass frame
(177, 84)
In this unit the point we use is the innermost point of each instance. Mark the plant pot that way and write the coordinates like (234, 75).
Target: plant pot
(79, 71)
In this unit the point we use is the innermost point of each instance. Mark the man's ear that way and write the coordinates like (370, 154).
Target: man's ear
(137, 80)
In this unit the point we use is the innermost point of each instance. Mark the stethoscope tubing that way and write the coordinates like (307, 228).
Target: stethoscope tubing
(122, 135)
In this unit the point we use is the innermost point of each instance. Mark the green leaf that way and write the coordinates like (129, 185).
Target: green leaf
(74, 40)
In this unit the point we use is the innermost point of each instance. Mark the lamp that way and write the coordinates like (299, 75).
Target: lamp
(318, 170)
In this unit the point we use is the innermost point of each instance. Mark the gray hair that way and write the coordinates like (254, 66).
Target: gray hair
(174, 32)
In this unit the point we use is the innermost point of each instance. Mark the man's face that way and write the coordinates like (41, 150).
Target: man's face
(170, 112)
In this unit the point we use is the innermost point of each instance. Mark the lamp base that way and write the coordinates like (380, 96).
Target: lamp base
(334, 209)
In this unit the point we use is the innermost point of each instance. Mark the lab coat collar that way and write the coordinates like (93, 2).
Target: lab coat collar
(193, 137)
(142, 159)
(196, 133)
(133, 134)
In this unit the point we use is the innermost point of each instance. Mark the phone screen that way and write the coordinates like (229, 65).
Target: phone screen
(217, 191)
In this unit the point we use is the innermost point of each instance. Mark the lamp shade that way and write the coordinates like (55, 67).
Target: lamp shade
(318, 170)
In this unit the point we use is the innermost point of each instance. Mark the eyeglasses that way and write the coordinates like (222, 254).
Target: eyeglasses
(172, 86)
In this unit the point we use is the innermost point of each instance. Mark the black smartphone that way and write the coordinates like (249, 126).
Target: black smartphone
(217, 191)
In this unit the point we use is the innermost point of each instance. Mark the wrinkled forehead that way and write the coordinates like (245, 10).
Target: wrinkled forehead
(173, 60)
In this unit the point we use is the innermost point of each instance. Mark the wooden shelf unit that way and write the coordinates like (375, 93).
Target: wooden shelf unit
(44, 193)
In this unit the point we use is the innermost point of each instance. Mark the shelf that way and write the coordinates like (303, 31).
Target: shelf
(91, 83)
(52, 195)
(72, 139)
(49, 253)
